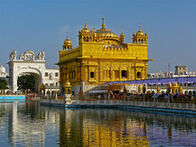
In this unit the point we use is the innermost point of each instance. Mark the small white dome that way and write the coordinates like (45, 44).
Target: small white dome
(2, 69)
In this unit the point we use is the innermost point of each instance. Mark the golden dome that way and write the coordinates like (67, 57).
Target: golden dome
(85, 29)
(67, 83)
(103, 32)
(67, 41)
(139, 32)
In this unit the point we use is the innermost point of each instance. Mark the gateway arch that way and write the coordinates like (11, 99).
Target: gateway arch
(28, 63)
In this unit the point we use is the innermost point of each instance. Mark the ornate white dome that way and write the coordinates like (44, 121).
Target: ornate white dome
(2, 69)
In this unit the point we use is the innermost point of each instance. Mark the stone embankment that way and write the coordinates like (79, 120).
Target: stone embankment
(183, 108)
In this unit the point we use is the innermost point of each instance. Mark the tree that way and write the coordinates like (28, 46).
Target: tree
(26, 82)
(3, 84)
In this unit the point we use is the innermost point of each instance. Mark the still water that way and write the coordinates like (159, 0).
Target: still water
(29, 124)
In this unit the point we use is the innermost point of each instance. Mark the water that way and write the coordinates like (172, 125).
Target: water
(28, 124)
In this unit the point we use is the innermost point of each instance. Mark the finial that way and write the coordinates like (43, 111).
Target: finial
(67, 36)
(103, 25)
(140, 27)
(85, 24)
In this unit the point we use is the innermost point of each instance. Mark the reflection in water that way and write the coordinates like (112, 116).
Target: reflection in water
(28, 124)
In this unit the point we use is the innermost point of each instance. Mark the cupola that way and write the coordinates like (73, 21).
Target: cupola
(85, 29)
(122, 37)
(140, 37)
(85, 35)
(67, 44)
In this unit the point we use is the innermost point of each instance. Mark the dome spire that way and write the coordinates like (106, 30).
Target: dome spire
(85, 25)
(140, 28)
(103, 24)
(67, 36)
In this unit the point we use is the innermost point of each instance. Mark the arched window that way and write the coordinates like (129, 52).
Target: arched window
(84, 39)
(139, 75)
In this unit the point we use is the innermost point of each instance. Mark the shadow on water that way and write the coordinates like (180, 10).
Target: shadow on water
(30, 124)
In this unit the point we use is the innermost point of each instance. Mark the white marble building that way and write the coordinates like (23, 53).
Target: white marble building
(180, 71)
(51, 80)
(33, 64)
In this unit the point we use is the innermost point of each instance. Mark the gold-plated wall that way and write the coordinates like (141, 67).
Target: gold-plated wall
(102, 56)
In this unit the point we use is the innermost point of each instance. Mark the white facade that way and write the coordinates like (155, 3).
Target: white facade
(28, 63)
(52, 79)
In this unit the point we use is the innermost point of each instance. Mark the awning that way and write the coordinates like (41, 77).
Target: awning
(98, 91)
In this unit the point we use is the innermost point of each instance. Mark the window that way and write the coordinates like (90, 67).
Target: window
(124, 74)
(56, 74)
(51, 84)
(72, 73)
(56, 83)
(92, 74)
(108, 73)
(139, 75)
(46, 84)
(116, 72)
(46, 74)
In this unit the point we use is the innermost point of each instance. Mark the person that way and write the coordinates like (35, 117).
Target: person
(157, 97)
(99, 96)
(165, 97)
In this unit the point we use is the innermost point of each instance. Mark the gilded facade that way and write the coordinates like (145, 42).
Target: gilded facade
(102, 56)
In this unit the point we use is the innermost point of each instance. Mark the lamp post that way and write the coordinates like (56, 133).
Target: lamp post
(67, 92)
(42, 90)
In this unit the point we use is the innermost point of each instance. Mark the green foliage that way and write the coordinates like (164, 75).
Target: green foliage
(3, 84)
(26, 82)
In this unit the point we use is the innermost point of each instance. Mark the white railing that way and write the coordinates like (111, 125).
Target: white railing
(186, 106)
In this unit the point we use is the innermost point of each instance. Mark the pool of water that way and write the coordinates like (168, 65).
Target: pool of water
(12, 98)
(29, 124)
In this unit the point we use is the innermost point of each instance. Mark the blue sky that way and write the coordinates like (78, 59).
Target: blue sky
(41, 25)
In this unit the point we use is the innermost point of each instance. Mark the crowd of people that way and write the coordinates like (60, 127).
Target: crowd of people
(152, 96)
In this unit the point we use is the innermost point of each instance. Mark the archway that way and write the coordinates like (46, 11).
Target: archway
(34, 73)
(29, 82)
(28, 63)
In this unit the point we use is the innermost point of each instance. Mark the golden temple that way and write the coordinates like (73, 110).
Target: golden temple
(102, 56)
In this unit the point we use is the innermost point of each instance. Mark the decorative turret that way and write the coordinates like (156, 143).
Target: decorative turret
(122, 37)
(85, 29)
(85, 35)
(140, 37)
(67, 44)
